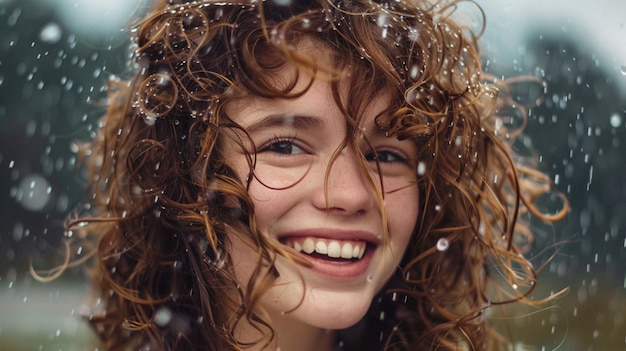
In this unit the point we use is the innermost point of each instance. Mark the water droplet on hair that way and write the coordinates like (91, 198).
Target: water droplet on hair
(149, 120)
(381, 21)
(219, 261)
(443, 244)
(413, 34)
(414, 72)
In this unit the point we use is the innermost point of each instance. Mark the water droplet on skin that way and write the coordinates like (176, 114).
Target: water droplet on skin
(443, 244)
(370, 278)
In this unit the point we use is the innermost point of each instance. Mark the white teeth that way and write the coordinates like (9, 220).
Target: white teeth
(308, 245)
(346, 251)
(321, 248)
(332, 248)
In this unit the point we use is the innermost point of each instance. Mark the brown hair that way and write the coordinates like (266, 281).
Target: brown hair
(159, 213)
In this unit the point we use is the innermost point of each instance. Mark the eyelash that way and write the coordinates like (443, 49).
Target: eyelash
(270, 145)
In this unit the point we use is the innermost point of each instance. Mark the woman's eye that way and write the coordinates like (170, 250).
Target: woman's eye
(283, 147)
(385, 156)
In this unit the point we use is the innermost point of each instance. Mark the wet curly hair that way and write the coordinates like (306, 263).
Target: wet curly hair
(159, 217)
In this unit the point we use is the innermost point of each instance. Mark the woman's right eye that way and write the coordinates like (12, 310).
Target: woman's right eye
(282, 146)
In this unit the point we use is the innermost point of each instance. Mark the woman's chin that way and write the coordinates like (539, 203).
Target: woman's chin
(330, 314)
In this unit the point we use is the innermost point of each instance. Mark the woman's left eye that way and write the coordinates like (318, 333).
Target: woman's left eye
(385, 156)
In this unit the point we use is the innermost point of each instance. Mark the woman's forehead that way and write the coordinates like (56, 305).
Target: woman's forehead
(315, 109)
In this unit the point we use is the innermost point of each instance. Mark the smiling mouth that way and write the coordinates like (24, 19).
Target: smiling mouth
(328, 249)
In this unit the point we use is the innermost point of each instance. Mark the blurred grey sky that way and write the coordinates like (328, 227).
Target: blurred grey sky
(93, 18)
(601, 24)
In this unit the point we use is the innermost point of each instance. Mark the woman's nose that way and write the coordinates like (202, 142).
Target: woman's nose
(344, 187)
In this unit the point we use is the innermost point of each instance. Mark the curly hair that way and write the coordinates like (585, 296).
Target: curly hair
(160, 212)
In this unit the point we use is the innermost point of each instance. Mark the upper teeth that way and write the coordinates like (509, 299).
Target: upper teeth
(331, 248)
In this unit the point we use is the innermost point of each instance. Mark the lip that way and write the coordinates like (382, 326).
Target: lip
(337, 269)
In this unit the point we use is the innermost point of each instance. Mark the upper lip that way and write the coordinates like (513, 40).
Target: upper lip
(333, 234)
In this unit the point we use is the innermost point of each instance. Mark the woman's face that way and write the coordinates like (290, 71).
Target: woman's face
(328, 214)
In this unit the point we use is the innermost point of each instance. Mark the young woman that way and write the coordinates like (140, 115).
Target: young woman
(305, 175)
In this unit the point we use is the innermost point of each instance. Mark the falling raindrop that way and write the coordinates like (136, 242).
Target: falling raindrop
(421, 169)
(162, 317)
(615, 120)
(622, 70)
(33, 192)
(51, 33)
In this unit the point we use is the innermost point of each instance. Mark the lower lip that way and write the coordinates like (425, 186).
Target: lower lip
(341, 270)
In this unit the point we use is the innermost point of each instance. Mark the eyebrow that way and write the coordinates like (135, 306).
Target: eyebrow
(281, 120)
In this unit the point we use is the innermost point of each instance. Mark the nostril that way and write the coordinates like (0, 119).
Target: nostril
(341, 210)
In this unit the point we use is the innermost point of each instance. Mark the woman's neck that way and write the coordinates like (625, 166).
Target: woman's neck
(293, 335)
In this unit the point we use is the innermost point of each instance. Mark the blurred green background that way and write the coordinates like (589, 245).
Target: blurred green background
(56, 56)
